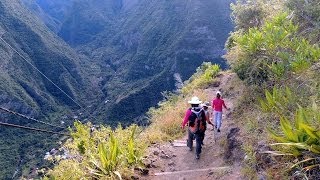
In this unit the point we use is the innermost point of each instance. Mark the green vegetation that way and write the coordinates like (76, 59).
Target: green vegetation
(279, 62)
(24, 90)
(202, 78)
(99, 154)
(272, 51)
(125, 54)
(153, 41)
(107, 153)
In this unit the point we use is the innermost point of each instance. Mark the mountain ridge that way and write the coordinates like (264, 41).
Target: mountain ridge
(177, 45)
(115, 74)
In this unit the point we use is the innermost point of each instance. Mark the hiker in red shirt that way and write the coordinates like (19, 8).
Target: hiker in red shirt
(196, 119)
(217, 105)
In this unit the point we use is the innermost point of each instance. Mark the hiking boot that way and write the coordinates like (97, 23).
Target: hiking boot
(218, 130)
(197, 156)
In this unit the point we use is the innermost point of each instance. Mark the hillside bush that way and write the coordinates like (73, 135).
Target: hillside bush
(298, 135)
(100, 153)
(278, 54)
(307, 13)
(268, 53)
(248, 14)
(204, 77)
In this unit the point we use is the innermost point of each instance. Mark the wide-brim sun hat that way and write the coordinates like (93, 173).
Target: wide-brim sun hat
(195, 100)
(218, 92)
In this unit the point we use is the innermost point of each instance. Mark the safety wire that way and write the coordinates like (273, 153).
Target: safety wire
(24, 116)
(29, 118)
(41, 72)
(30, 128)
(46, 77)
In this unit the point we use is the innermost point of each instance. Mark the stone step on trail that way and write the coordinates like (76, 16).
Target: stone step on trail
(184, 172)
(180, 143)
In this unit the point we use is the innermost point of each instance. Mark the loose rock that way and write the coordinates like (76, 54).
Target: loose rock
(156, 153)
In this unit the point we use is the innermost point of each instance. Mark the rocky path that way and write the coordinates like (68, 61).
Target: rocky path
(218, 160)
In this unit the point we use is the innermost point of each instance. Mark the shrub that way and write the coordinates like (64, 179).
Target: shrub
(299, 137)
(100, 153)
(272, 51)
(204, 76)
(307, 13)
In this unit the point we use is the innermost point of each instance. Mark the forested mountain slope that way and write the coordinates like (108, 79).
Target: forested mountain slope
(78, 21)
(142, 46)
(155, 42)
(25, 90)
(274, 123)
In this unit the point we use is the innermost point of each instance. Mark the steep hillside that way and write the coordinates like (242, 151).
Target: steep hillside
(100, 152)
(78, 21)
(52, 13)
(153, 42)
(26, 91)
(274, 129)
(277, 56)
(142, 46)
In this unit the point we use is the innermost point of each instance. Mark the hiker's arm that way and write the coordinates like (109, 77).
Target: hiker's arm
(186, 118)
(224, 105)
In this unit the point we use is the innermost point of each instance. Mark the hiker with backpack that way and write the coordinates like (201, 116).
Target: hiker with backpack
(196, 119)
(217, 105)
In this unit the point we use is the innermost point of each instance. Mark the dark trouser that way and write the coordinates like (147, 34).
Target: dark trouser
(203, 134)
(202, 137)
(198, 137)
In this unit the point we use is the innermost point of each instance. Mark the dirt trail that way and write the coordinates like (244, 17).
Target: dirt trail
(218, 160)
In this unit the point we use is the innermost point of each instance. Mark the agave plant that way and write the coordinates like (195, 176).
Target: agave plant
(132, 156)
(299, 139)
(281, 102)
(108, 159)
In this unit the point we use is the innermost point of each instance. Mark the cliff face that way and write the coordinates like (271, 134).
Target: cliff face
(45, 51)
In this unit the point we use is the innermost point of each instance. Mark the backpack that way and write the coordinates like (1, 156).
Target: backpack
(196, 121)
